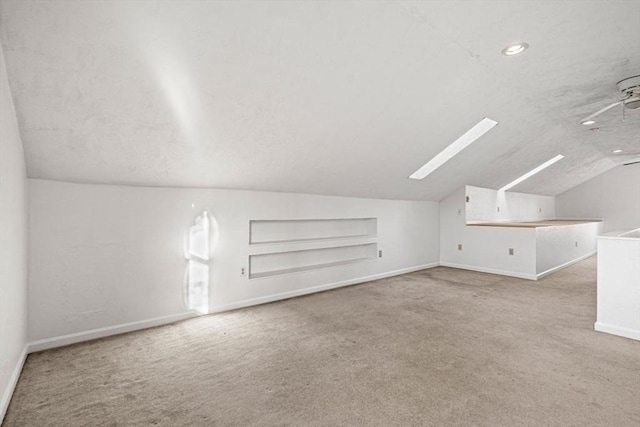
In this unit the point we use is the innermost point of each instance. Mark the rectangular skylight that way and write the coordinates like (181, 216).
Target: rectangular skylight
(484, 126)
(532, 172)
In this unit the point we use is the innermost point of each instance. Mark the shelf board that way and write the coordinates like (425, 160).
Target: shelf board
(307, 268)
(263, 232)
(315, 239)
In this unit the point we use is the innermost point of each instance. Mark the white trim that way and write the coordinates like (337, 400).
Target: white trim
(516, 274)
(573, 218)
(13, 381)
(566, 264)
(63, 340)
(617, 330)
(490, 270)
(619, 235)
(60, 341)
(300, 292)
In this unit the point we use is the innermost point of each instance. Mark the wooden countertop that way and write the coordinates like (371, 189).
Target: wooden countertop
(535, 224)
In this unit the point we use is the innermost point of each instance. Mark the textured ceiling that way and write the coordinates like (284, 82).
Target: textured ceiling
(342, 98)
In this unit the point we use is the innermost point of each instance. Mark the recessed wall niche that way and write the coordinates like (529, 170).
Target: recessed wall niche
(287, 231)
(265, 265)
(289, 246)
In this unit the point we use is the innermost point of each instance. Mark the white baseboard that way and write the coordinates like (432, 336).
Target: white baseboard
(13, 380)
(514, 273)
(566, 264)
(489, 270)
(63, 340)
(306, 291)
(616, 330)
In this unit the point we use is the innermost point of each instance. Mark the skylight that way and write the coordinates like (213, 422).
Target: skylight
(457, 146)
(532, 172)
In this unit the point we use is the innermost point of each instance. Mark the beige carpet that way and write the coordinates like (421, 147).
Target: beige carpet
(437, 347)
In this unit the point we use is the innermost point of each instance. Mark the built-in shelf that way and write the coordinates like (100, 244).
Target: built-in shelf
(307, 268)
(280, 246)
(277, 263)
(300, 245)
(264, 232)
(320, 239)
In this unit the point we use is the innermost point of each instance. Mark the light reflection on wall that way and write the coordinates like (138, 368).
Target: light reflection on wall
(199, 238)
(166, 55)
(177, 87)
(197, 252)
(198, 287)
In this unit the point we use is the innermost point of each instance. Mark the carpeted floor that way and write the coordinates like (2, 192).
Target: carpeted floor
(436, 347)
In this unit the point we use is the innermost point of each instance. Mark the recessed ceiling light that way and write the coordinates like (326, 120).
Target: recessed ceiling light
(484, 126)
(514, 49)
(588, 122)
(616, 151)
(532, 172)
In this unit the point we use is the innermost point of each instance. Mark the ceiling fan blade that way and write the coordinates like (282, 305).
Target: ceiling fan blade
(597, 113)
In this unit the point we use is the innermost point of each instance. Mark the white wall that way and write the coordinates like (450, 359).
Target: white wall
(559, 246)
(536, 251)
(13, 245)
(619, 285)
(487, 205)
(613, 196)
(484, 248)
(109, 255)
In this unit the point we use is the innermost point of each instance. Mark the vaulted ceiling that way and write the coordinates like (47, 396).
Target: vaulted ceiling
(341, 98)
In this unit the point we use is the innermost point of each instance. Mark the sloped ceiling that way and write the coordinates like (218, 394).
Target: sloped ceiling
(341, 98)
